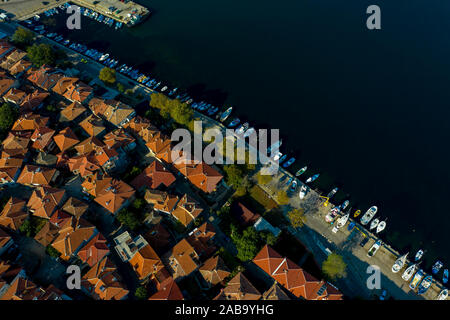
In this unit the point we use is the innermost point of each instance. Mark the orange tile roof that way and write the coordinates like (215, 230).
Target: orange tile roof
(4, 238)
(72, 111)
(161, 200)
(36, 175)
(44, 201)
(83, 165)
(65, 139)
(214, 271)
(293, 278)
(78, 92)
(94, 250)
(146, 262)
(42, 137)
(15, 96)
(20, 66)
(33, 100)
(102, 281)
(13, 214)
(113, 111)
(45, 77)
(168, 291)
(89, 145)
(29, 121)
(93, 125)
(153, 176)
(5, 47)
(63, 83)
(239, 288)
(186, 210)
(182, 259)
(75, 207)
(204, 177)
(16, 141)
(11, 58)
(201, 239)
(5, 85)
(118, 138)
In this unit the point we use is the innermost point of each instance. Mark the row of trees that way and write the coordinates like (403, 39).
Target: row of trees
(180, 112)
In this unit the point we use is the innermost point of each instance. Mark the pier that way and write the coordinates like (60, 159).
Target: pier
(129, 13)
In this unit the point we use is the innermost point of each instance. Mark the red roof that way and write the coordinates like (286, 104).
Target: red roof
(292, 277)
(153, 176)
(94, 250)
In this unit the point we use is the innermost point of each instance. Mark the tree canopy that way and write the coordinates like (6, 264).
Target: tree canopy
(180, 112)
(40, 54)
(22, 37)
(141, 293)
(297, 217)
(247, 243)
(8, 114)
(334, 267)
(107, 75)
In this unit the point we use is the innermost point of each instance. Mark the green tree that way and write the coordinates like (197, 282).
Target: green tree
(107, 75)
(282, 197)
(268, 237)
(120, 87)
(8, 115)
(22, 37)
(297, 217)
(246, 244)
(40, 54)
(180, 112)
(129, 219)
(334, 267)
(141, 293)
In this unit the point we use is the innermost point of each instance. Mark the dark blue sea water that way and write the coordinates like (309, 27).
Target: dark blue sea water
(369, 110)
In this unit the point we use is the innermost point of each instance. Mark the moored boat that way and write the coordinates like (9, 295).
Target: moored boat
(341, 222)
(416, 279)
(443, 295)
(289, 162)
(409, 272)
(374, 248)
(399, 263)
(425, 284)
(332, 192)
(368, 215)
(242, 128)
(301, 171)
(381, 226)
(357, 213)
(419, 255)
(437, 266)
(445, 276)
(312, 178)
(234, 122)
(303, 191)
(374, 223)
(225, 114)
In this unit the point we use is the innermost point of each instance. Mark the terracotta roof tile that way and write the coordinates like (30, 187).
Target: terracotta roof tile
(153, 176)
(65, 139)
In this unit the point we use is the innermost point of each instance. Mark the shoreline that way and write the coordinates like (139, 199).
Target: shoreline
(390, 249)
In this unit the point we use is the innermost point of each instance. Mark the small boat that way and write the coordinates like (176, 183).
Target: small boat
(344, 205)
(381, 226)
(233, 123)
(104, 57)
(419, 255)
(301, 171)
(368, 215)
(415, 281)
(294, 186)
(282, 158)
(374, 249)
(342, 221)
(445, 276)
(225, 115)
(374, 223)
(242, 128)
(303, 191)
(383, 295)
(277, 156)
(311, 179)
(425, 285)
(399, 263)
(409, 272)
(357, 213)
(332, 192)
(443, 295)
(289, 162)
(289, 181)
(437, 266)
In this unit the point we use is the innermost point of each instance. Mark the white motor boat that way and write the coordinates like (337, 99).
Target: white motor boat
(381, 226)
(374, 223)
(374, 248)
(368, 215)
(341, 222)
(409, 272)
